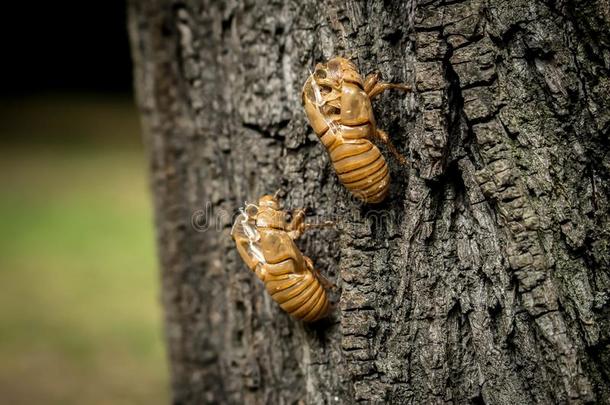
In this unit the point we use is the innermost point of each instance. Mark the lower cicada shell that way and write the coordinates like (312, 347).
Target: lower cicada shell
(265, 242)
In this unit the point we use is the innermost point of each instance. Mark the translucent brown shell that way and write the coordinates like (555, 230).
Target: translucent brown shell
(288, 275)
(337, 102)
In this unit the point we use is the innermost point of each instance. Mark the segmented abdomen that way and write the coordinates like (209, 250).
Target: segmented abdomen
(360, 166)
(288, 275)
(298, 292)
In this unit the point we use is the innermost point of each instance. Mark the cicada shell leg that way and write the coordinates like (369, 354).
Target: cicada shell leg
(326, 283)
(297, 226)
(383, 137)
(370, 81)
(325, 224)
(373, 87)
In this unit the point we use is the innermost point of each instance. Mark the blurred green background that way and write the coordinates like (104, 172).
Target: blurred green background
(80, 319)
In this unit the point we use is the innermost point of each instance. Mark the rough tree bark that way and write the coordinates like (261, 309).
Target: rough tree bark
(484, 277)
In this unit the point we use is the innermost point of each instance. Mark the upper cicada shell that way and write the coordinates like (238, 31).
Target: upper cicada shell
(337, 102)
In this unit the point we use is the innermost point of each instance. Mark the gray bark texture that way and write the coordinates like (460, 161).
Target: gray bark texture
(483, 278)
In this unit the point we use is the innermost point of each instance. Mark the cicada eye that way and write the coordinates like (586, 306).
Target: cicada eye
(320, 74)
(251, 210)
(334, 68)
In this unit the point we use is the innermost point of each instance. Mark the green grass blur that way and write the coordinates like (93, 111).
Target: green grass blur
(80, 320)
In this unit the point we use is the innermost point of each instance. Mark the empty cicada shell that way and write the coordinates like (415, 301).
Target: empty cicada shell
(337, 102)
(265, 241)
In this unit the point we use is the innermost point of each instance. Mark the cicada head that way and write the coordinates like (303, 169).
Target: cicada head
(270, 213)
(341, 70)
(245, 224)
(269, 201)
(331, 75)
(247, 237)
(322, 91)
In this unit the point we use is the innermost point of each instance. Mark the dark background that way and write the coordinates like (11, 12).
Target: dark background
(64, 46)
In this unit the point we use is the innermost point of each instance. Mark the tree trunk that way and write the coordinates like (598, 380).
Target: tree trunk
(483, 278)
